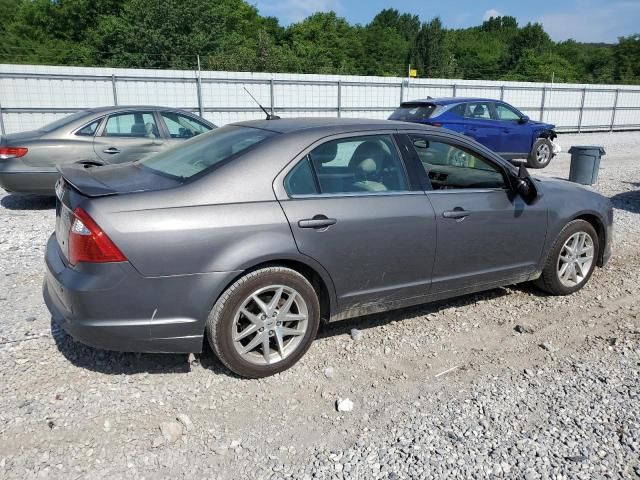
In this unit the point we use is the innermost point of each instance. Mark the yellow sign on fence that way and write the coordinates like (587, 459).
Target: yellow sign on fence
(413, 72)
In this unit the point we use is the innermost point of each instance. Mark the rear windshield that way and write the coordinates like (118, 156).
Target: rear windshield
(413, 112)
(205, 151)
(50, 127)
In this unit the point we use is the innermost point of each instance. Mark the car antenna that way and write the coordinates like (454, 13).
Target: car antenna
(270, 116)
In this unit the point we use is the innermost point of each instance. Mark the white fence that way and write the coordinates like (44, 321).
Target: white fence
(31, 96)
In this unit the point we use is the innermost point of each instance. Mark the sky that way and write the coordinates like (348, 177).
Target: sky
(582, 20)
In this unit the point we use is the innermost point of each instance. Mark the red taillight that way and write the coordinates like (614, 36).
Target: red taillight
(89, 243)
(436, 124)
(12, 152)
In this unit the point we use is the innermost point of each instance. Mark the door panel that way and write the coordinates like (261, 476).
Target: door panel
(486, 234)
(480, 126)
(497, 238)
(378, 248)
(516, 137)
(128, 136)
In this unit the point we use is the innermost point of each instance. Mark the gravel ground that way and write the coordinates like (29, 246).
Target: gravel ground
(505, 384)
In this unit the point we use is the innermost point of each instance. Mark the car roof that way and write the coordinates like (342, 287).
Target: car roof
(449, 100)
(289, 125)
(117, 108)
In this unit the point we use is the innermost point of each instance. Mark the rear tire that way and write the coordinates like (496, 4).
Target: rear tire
(571, 260)
(541, 153)
(264, 322)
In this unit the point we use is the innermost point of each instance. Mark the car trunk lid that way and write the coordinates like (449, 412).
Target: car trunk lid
(79, 182)
(97, 181)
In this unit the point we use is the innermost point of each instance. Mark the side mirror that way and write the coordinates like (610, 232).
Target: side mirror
(525, 185)
(523, 119)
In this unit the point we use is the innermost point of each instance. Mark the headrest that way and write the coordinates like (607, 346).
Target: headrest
(368, 166)
(368, 150)
(149, 129)
(138, 129)
(325, 153)
(478, 110)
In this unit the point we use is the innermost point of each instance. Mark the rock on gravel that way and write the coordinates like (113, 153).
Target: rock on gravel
(344, 405)
(185, 421)
(356, 335)
(171, 431)
(524, 329)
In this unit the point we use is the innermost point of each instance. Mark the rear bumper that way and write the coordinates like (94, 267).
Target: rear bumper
(111, 306)
(17, 177)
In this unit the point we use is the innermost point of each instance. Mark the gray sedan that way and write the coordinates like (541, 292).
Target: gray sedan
(97, 136)
(252, 234)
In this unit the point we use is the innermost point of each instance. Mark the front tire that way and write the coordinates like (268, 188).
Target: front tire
(264, 322)
(572, 259)
(541, 153)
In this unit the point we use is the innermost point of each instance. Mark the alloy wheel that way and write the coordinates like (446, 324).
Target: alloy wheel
(270, 324)
(575, 259)
(543, 153)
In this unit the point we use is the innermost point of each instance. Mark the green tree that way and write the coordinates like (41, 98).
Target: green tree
(431, 54)
(627, 59)
(324, 43)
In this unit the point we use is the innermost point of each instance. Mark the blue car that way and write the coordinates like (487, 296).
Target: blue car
(493, 123)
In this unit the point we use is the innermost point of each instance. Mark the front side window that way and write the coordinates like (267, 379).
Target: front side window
(365, 164)
(132, 125)
(204, 152)
(452, 167)
(478, 110)
(507, 113)
(182, 126)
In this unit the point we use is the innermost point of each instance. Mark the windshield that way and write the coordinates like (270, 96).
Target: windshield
(205, 151)
(413, 113)
(63, 121)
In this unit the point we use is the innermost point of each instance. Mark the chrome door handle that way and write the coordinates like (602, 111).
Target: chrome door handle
(318, 221)
(111, 150)
(456, 213)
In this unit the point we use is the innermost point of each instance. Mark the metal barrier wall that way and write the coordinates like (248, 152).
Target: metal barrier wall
(31, 96)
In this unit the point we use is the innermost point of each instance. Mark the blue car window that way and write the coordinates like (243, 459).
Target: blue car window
(506, 113)
(479, 110)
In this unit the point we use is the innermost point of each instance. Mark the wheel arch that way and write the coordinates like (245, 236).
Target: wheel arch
(596, 222)
(313, 272)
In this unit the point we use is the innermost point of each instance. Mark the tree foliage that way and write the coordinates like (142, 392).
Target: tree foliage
(232, 35)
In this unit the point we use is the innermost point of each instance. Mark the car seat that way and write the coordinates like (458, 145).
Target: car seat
(138, 130)
(478, 111)
(366, 164)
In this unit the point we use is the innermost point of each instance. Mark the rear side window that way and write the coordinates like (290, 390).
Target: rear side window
(300, 180)
(89, 130)
(366, 164)
(413, 112)
(478, 110)
(205, 152)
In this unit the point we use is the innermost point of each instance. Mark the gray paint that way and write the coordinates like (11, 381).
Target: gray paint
(185, 244)
(37, 171)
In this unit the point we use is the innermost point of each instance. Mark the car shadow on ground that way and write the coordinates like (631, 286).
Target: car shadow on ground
(119, 363)
(629, 201)
(16, 201)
